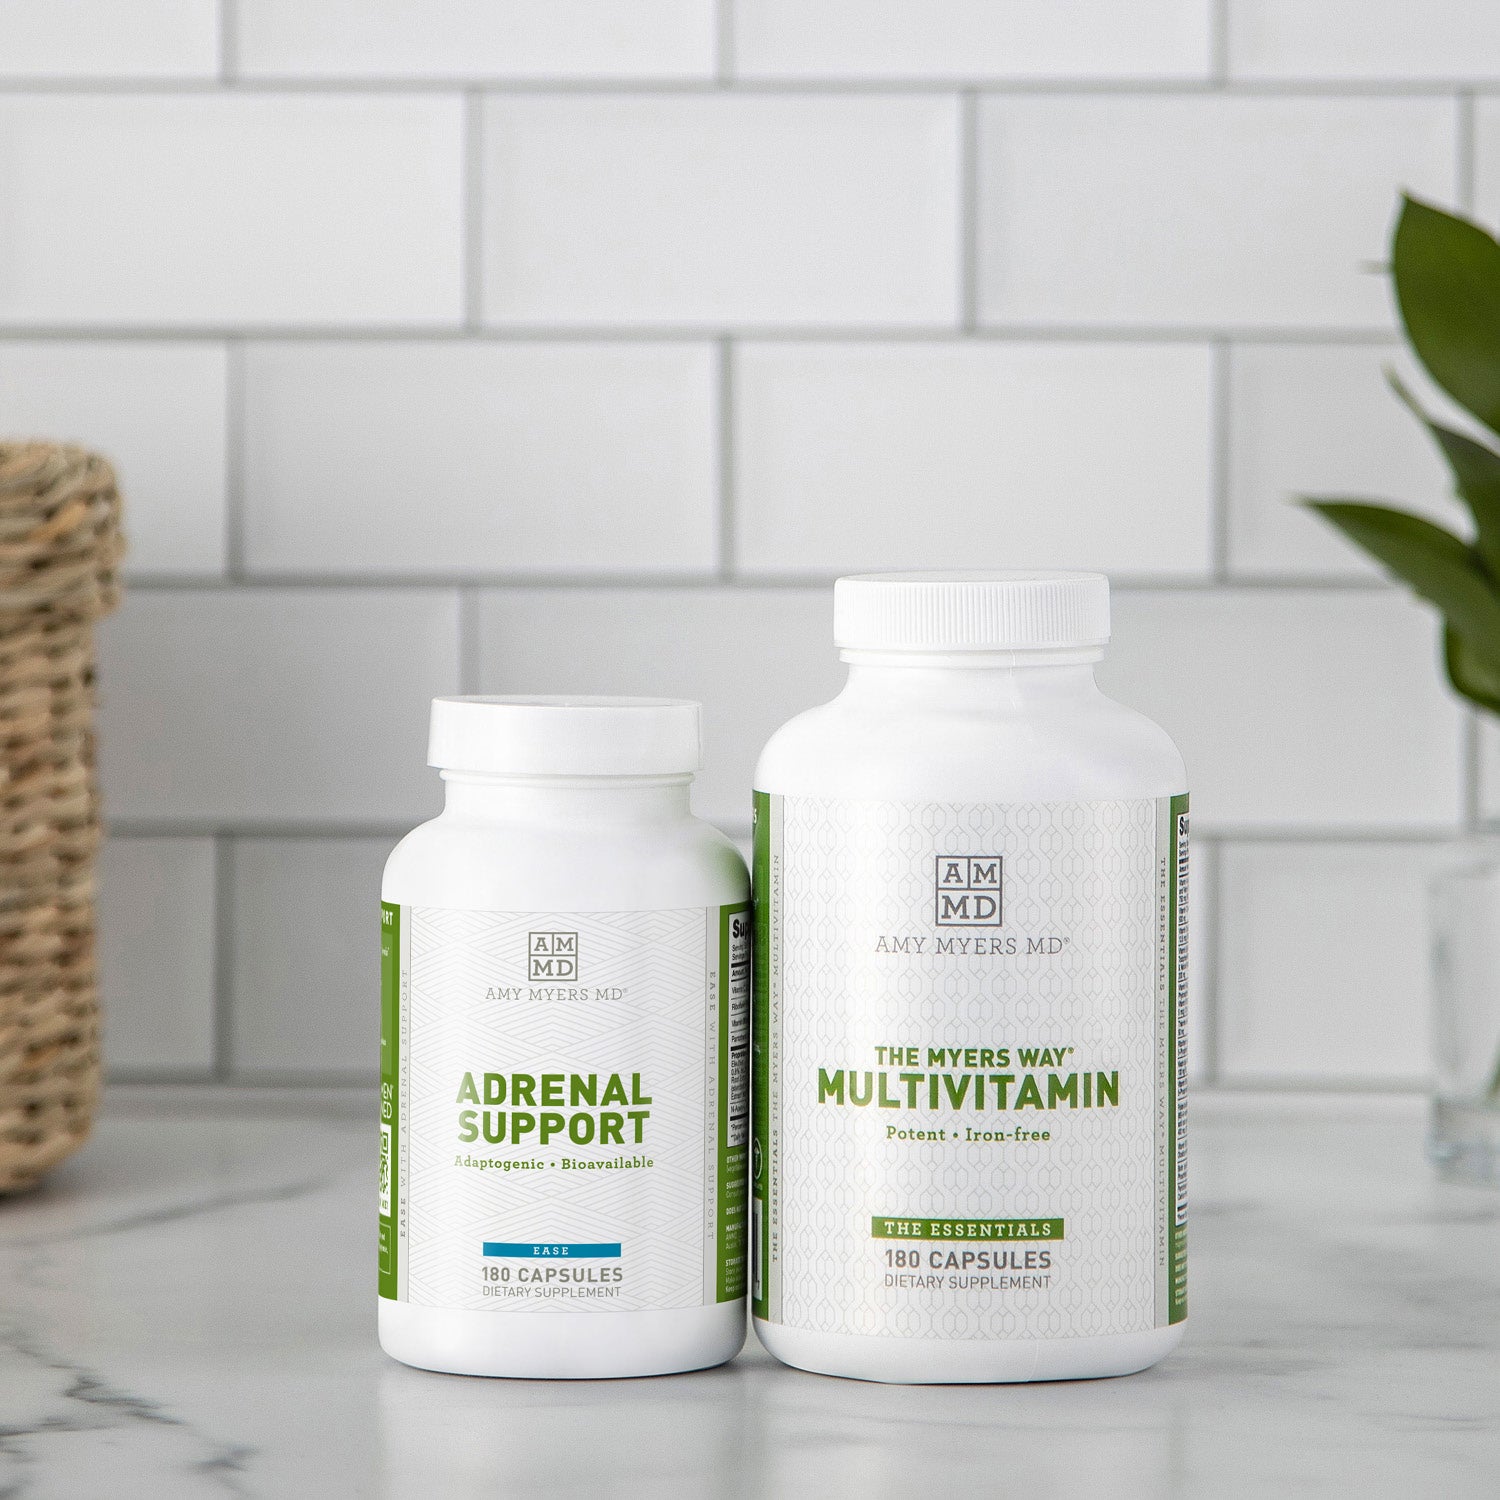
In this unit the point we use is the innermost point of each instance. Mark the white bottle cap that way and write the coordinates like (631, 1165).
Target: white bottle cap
(566, 736)
(970, 611)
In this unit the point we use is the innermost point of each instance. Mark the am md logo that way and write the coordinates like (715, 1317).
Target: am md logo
(551, 955)
(968, 890)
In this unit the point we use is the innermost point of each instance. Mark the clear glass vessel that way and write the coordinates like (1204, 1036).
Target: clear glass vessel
(1464, 1141)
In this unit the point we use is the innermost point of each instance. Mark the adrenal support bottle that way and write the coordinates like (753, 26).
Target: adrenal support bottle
(563, 1057)
(971, 904)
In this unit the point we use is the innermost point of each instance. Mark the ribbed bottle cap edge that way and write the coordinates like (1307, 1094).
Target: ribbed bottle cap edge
(971, 611)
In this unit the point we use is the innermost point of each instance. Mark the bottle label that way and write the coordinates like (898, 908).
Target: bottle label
(564, 1108)
(969, 1059)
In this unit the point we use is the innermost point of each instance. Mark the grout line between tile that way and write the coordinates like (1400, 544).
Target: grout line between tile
(709, 84)
(1464, 148)
(1472, 772)
(223, 928)
(1123, 583)
(228, 40)
(1284, 1085)
(968, 211)
(1367, 833)
(998, 333)
(1218, 42)
(134, 1094)
(724, 385)
(724, 42)
(1221, 397)
(258, 828)
(159, 1077)
(234, 460)
(473, 210)
(468, 641)
(287, 1080)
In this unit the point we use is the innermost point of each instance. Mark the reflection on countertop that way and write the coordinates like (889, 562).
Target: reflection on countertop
(187, 1309)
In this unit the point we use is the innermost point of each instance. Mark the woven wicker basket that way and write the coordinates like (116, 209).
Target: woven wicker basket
(60, 545)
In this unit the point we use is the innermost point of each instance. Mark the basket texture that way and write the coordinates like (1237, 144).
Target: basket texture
(60, 547)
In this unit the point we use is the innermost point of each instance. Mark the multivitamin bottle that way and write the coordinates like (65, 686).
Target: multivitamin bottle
(565, 1018)
(971, 878)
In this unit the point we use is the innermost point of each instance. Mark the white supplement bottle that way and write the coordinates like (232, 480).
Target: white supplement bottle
(971, 877)
(564, 1048)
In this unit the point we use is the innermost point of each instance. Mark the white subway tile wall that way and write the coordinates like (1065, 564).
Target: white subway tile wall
(972, 39)
(1318, 420)
(72, 39)
(491, 39)
(1298, 1004)
(158, 947)
(972, 451)
(1199, 211)
(1296, 709)
(254, 706)
(160, 412)
(1486, 159)
(1443, 40)
(1488, 791)
(232, 210)
(301, 965)
(469, 458)
(714, 210)
(577, 346)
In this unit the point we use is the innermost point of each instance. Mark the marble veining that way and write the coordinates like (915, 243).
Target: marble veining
(187, 1310)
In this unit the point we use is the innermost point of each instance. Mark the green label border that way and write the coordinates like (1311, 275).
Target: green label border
(760, 1059)
(1176, 1064)
(390, 1092)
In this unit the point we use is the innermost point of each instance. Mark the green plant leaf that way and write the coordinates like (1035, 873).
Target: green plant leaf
(1447, 277)
(1473, 676)
(1438, 565)
(1476, 476)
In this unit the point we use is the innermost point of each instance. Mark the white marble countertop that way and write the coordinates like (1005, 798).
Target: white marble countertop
(187, 1310)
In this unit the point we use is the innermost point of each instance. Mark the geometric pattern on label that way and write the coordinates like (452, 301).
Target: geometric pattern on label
(659, 1027)
(854, 872)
